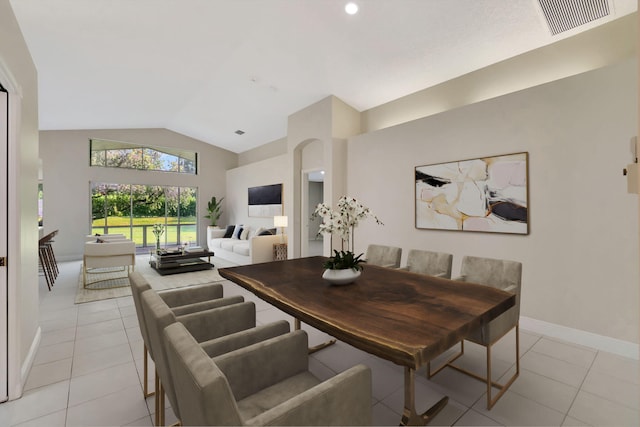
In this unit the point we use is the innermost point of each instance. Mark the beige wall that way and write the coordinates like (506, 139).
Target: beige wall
(580, 259)
(66, 175)
(23, 197)
(240, 179)
(266, 151)
(586, 51)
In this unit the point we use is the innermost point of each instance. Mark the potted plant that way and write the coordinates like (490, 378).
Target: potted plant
(344, 266)
(214, 208)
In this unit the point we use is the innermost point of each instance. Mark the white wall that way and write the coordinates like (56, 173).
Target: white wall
(66, 176)
(580, 259)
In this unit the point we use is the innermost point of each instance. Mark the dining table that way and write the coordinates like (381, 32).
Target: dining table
(404, 317)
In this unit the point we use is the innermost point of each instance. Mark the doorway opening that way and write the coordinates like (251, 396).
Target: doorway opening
(312, 193)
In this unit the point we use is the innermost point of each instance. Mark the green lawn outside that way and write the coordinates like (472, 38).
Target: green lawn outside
(142, 227)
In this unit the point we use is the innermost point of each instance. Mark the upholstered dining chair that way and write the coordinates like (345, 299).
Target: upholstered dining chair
(267, 383)
(430, 263)
(217, 330)
(501, 274)
(183, 300)
(383, 256)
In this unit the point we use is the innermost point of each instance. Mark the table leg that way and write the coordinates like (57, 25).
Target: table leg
(410, 416)
(297, 326)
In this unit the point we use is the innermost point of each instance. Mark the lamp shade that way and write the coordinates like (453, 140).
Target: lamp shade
(280, 221)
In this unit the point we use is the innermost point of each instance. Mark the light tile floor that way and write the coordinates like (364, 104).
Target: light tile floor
(88, 371)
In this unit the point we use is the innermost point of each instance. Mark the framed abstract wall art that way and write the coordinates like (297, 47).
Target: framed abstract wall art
(488, 194)
(265, 201)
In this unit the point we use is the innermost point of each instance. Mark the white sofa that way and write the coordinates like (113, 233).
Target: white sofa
(252, 250)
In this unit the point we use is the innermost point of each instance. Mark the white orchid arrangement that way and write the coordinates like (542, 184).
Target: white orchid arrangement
(343, 220)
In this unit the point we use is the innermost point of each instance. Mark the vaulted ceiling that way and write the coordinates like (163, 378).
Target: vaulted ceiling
(207, 68)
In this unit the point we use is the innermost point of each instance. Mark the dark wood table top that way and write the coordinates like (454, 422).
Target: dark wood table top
(400, 316)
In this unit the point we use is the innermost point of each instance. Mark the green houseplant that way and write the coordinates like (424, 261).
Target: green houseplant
(214, 208)
(343, 260)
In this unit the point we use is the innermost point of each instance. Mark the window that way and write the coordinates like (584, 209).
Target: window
(133, 209)
(115, 154)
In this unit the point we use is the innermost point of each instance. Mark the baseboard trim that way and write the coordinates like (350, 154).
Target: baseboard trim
(31, 356)
(584, 338)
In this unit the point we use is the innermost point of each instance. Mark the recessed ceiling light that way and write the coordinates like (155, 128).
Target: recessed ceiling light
(351, 8)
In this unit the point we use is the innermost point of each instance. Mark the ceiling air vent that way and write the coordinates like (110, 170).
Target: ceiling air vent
(563, 15)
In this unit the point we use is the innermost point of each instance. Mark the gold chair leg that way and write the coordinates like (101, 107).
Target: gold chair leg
(145, 387)
(491, 401)
(160, 398)
(431, 373)
(156, 400)
(503, 388)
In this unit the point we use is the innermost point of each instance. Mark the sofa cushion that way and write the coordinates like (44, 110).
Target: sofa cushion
(229, 232)
(244, 235)
(242, 248)
(228, 244)
(237, 231)
(215, 243)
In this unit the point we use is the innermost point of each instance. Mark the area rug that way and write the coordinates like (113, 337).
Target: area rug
(109, 279)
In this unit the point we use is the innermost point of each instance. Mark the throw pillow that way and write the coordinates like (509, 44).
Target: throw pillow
(266, 233)
(245, 233)
(258, 231)
(237, 231)
(229, 232)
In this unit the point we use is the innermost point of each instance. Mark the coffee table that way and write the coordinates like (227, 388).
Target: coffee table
(179, 262)
(403, 317)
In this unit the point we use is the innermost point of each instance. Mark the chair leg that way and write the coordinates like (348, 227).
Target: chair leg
(159, 401)
(52, 256)
(145, 387)
(44, 268)
(503, 388)
(491, 401)
(431, 373)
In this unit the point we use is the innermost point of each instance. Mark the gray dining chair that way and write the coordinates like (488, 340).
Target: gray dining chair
(430, 263)
(383, 256)
(183, 300)
(228, 327)
(267, 383)
(501, 274)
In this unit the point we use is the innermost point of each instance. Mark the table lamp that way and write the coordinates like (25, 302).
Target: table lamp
(281, 221)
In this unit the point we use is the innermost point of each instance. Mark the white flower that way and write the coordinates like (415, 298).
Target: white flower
(343, 220)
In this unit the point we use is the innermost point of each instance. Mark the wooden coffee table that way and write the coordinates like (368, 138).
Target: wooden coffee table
(403, 317)
(174, 263)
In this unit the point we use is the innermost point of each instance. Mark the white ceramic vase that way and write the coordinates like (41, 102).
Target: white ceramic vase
(341, 277)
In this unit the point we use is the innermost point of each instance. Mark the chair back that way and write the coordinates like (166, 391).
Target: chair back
(384, 256)
(501, 274)
(138, 285)
(430, 263)
(203, 393)
(158, 316)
